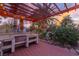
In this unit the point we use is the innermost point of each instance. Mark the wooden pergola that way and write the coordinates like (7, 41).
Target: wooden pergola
(35, 11)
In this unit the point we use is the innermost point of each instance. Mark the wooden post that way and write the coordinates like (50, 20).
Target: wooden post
(27, 41)
(21, 25)
(1, 52)
(13, 44)
(37, 39)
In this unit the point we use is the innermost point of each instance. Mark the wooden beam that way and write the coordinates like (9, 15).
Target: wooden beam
(22, 8)
(75, 5)
(57, 7)
(63, 11)
(36, 5)
(65, 5)
(43, 11)
(48, 7)
(41, 16)
(27, 6)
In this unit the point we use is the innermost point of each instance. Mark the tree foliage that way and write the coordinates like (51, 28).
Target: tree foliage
(67, 34)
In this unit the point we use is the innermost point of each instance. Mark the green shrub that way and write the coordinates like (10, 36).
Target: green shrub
(67, 34)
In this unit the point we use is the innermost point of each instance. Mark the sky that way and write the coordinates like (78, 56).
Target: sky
(75, 16)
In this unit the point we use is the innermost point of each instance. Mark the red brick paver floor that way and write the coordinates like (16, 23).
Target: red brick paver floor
(43, 49)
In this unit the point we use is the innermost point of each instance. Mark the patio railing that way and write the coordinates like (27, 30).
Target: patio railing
(8, 40)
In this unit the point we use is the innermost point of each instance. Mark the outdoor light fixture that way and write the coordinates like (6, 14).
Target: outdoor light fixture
(22, 17)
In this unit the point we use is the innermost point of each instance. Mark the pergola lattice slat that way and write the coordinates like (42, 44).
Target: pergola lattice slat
(43, 11)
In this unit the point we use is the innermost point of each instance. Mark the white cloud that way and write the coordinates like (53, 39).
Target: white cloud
(75, 16)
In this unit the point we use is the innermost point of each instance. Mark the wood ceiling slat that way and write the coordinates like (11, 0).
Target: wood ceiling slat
(65, 5)
(57, 7)
(41, 11)
(49, 8)
(43, 14)
(36, 12)
(17, 9)
(21, 10)
(66, 10)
